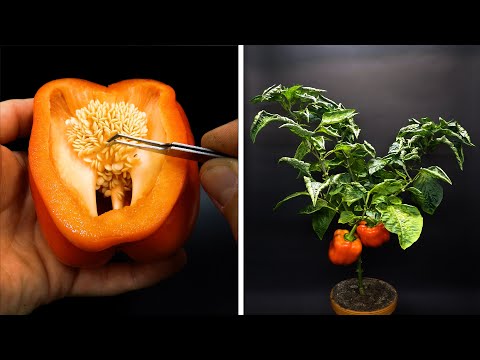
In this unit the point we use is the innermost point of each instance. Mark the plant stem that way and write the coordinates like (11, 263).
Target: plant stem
(350, 236)
(360, 276)
(366, 206)
(348, 167)
(406, 172)
(320, 160)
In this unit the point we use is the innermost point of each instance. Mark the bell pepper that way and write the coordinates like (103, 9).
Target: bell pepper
(343, 251)
(92, 199)
(372, 236)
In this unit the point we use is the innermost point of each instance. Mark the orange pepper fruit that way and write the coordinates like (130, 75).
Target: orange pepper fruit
(344, 252)
(92, 199)
(372, 236)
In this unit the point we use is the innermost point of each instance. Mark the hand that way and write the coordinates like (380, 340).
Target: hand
(30, 274)
(219, 177)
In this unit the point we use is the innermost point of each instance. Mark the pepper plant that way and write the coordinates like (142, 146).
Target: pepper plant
(374, 195)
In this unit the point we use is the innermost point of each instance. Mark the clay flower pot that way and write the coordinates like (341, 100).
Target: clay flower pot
(380, 298)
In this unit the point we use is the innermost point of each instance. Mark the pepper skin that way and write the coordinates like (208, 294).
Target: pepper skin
(152, 217)
(372, 236)
(342, 251)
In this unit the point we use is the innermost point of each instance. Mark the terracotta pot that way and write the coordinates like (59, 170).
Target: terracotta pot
(381, 296)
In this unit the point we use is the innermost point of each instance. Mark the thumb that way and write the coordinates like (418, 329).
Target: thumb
(219, 178)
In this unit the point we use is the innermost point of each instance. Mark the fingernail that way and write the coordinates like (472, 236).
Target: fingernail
(220, 182)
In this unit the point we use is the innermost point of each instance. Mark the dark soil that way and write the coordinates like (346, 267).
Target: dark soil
(378, 294)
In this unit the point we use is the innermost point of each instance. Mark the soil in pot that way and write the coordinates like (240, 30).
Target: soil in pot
(380, 298)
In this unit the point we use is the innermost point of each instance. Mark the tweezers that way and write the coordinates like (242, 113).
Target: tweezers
(184, 151)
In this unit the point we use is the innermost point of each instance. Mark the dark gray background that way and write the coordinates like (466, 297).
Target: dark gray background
(287, 270)
(205, 79)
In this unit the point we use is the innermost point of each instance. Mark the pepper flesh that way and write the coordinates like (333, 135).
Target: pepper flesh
(343, 251)
(158, 217)
(372, 236)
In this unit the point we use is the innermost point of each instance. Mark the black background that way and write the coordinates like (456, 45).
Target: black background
(287, 270)
(205, 79)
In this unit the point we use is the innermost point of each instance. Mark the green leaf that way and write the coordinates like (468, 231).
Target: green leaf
(378, 199)
(312, 96)
(353, 129)
(337, 116)
(394, 200)
(354, 150)
(425, 120)
(290, 93)
(337, 189)
(359, 167)
(416, 141)
(316, 167)
(347, 217)
(264, 118)
(464, 134)
(383, 199)
(387, 187)
(321, 221)
(412, 154)
(409, 129)
(291, 196)
(338, 183)
(313, 91)
(414, 121)
(310, 209)
(429, 126)
(333, 163)
(416, 196)
(369, 148)
(381, 207)
(383, 174)
(313, 188)
(373, 214)
(437, 173)
(415, 191)
(300, 165)
(405, 221)
(288, 96)
(301, 115)
(415, 131)
(303, 149)
(446, 124)
(453, 134)
(396, 146)
(329, 130)
(341, 178)
(353, 192)
(344, 148)
(401, 174)
(332, 103)
(376, 164)
(457, 149)
(298, 130)
(431, 192)
(318, 142)
(455, 130)
(273, 93)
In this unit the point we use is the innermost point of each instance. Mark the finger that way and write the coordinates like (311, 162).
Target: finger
(219, 178)
(16, 118)
(223, 139)
(116, 278)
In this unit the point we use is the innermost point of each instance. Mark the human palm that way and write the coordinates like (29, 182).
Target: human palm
(30, 274)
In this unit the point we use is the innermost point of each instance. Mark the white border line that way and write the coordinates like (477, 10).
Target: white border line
(240, 179)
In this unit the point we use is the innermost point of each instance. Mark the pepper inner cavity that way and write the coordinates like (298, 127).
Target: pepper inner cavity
(87, 133)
